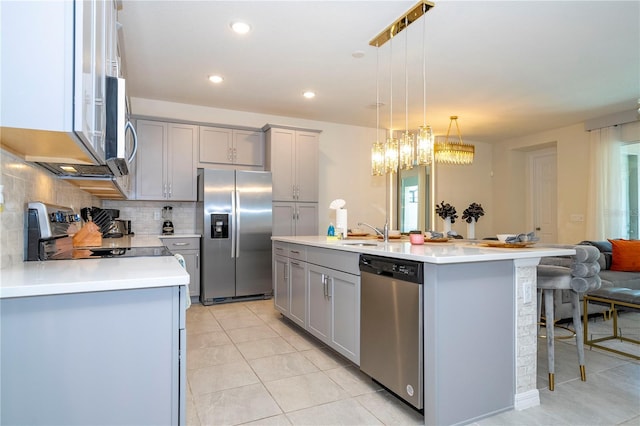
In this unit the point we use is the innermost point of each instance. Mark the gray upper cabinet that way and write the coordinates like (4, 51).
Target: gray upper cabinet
(166, 161)
(230, 146)
(292, 158)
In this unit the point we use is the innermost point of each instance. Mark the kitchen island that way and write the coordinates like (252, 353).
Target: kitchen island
(94, 341)
(479, 322)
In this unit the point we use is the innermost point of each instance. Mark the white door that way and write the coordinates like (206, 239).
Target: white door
(543, 189)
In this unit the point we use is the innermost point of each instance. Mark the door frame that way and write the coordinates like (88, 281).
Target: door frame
(533, 186)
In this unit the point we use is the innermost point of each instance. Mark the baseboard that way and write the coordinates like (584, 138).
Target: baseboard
(525, 400)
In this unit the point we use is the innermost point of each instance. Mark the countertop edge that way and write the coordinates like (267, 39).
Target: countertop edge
(436, 253)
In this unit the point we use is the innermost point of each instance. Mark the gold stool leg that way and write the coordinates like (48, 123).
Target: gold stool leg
(552, 381)
(583, 374)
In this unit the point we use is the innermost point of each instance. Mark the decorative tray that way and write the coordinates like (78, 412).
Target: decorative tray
(357, 234)
(435, 240)
(508, 245)
(391, 237)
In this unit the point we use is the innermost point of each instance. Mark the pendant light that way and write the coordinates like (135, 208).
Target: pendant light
(424, 139)
(406, 142)
(387, 157)
(391, 146)
(377, 149)
(451, 152)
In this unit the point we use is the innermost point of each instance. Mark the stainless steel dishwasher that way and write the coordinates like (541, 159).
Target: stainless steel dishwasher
(391, 325)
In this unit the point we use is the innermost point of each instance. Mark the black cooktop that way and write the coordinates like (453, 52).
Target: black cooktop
(99, 253)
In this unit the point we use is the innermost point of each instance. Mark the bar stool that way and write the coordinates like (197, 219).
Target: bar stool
(578, 277)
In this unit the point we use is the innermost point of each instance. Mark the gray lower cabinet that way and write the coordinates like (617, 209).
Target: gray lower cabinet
(319, 289)
(290, 281)
(334, 310)
(189, 248)
(298, 291)
(109, 357)
(281, 298)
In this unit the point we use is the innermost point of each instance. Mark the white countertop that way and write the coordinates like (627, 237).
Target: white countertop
(454, 251)
(86, 275)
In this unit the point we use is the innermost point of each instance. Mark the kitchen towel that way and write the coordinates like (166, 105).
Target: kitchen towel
(341, 221)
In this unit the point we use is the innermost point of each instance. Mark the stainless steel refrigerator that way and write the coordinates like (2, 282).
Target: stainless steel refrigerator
(234, 218)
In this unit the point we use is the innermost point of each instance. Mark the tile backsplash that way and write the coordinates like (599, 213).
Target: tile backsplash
(146, 216)
(23, 183)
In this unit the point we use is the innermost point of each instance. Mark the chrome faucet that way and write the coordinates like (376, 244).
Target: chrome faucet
(384, 233)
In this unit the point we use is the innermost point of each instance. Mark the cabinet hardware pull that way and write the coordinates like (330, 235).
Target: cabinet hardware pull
(295, 251)
(197, 260)
(295, 263)
(180, 244)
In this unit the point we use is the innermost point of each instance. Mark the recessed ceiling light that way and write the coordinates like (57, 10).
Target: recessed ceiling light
(358, 54)
(216, 79)
(240, 27)
(309, 94)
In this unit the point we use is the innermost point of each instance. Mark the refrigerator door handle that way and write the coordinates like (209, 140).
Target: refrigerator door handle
(233, 225)
(237, 218)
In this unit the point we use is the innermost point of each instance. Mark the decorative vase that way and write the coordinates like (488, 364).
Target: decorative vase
(447, 225)
(471, 229)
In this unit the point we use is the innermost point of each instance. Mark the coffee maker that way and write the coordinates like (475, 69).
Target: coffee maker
(167, 225)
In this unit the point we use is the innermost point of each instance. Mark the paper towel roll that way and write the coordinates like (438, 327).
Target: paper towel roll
(341, 221)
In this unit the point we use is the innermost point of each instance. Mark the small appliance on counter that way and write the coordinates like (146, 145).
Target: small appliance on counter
(107, 220)
(167, 225)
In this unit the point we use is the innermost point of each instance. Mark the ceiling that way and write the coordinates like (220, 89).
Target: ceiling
(506, 68)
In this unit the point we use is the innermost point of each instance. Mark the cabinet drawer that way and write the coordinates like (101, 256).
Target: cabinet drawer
(298, 252)
(280, 248)
(335, 259)
(176, 244)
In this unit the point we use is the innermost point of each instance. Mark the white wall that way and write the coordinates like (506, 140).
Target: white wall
(573, 166)
(463, 185)
(345, 164)
(344, 156)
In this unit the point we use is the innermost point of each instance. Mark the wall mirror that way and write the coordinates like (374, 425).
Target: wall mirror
(414, 199)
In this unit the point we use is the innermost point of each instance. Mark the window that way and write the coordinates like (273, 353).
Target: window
(631, 178)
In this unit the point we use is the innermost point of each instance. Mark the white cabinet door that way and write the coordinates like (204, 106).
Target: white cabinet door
(298, 292)
(282, 215)
(345, 329)
(150, 160)
(307, 145)
(319, 303)
(281, 163)
(248, 148)
(215, 146)
(230, 146)
(281, 284)
(192, 261)
(165, 163)
(181, 157)
(306, 222)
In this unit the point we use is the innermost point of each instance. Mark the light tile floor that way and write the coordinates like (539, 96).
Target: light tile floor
(246, 364)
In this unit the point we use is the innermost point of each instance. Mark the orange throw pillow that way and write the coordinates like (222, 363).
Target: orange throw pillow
(625, 255)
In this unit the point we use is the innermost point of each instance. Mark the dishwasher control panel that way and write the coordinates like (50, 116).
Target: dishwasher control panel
(405, 270)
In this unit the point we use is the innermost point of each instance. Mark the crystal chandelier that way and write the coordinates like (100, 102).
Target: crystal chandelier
(450, 152)
(404, 152)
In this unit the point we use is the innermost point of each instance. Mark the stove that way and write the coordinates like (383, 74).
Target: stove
(98, 253)
(46, 237)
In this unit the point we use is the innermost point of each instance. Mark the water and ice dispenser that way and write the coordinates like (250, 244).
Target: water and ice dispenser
(220, 225)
